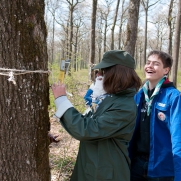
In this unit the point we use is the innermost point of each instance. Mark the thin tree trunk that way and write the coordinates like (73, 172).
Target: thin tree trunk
(72, 6)
(114, 24)
(170, 27)
(105, 37)
(67, 40)
(71, 32)
(121, 24)
(75, 49)
(145, 43)
(24, 106)
(176, 46)
(92, 44)
(53, 40)
(146, 6)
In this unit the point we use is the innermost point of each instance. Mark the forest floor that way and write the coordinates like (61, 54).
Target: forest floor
(62, 154)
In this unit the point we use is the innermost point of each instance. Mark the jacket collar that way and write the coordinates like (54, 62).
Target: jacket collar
(106, 102)
(128, 92)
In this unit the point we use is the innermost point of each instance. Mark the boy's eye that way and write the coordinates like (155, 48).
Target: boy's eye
(157, 64)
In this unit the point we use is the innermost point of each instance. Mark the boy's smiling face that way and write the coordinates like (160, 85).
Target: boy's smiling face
(154, 69)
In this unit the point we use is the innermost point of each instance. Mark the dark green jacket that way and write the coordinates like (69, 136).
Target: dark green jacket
(104, 137)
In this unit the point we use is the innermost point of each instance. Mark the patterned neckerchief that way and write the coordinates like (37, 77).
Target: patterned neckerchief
(156, 91)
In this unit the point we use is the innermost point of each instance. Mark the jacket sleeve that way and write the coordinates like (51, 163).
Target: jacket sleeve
(114, 121)
(62, 109)
(87, 97)
(175, 130)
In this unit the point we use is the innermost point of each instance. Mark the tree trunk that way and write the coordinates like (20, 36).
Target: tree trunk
(24, 106)
(121, 24)
(71, 32)
(93, 26)
(75, 50)
(146, 7)
(176, 46)
(170, 27)
(72, 6)
(105, 35)
(114, 24)
(132, 26)
(67, 40)
(53, 41)
(145, 41)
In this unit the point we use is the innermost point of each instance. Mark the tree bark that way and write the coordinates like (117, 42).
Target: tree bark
(24, 107)
(72, 6)
(121, 24)
(132, 26)
(176, 46)
(114, 24)
(170, 33)
(145, 5)
(92, 44)
(105, 35)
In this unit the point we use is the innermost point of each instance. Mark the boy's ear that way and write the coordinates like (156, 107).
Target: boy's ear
(167, 70)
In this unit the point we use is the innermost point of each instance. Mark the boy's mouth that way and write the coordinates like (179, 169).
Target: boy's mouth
(150, 71)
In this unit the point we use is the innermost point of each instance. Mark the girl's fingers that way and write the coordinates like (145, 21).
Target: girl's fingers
(54, 86)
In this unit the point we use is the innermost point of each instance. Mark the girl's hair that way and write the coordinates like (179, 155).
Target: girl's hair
(118, 78)
(164, 57)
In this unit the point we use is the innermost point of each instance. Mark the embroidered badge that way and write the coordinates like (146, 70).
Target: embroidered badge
(161, 116)
(161, 104)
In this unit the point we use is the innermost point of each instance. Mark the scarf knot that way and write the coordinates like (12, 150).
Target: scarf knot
(156, 91)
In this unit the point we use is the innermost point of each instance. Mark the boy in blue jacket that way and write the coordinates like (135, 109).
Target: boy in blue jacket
(155, 149)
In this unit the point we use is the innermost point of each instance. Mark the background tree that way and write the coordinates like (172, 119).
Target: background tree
(139, 50)
(99, 39)
(114, 24)
(105, 10)
(132, 26)
(176, 45)
(146, 7)
(170, 29)
(78, 23)
(93, 35)
(122, 20)
(72, 6)
(24, 106)
(158, 39)
(52, 7)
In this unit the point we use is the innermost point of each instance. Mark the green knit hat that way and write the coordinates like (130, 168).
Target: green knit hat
(115, 57)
